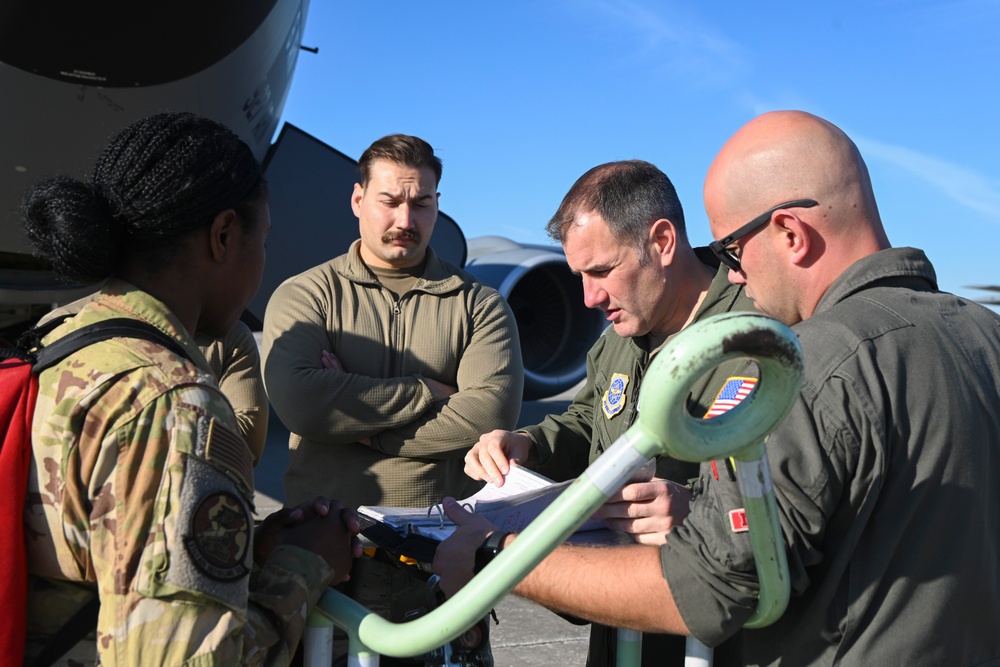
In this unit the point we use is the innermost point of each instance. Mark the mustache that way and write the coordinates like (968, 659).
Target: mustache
(409, 234)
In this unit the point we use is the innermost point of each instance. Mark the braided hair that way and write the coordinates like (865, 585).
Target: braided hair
(158, 180)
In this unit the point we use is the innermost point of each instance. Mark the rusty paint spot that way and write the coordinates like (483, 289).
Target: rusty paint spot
(764, 343)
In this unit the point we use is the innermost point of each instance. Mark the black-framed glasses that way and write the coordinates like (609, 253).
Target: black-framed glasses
(721, 248)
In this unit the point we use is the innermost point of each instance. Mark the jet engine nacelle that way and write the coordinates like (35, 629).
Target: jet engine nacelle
(556, 329)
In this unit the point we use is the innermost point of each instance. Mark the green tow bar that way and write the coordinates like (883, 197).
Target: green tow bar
(663, 427)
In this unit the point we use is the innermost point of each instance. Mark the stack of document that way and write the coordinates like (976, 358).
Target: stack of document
(511, 507)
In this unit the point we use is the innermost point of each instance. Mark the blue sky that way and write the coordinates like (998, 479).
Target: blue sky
(519, 98)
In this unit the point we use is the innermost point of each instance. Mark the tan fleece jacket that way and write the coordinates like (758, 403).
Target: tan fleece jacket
(448, 327)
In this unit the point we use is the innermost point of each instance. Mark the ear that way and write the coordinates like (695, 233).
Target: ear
(796, 236)
(663, 239)
(359, 194)
(222, 234)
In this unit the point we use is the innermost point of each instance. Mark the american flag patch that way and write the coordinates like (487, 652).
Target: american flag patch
(734, 391)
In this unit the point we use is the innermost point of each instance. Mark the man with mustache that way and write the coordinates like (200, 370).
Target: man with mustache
(387, 363)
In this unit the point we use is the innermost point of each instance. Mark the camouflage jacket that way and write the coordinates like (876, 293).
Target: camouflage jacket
(234, 360)
(141, 488)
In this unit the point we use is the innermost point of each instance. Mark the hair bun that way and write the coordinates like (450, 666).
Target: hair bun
(71, 227)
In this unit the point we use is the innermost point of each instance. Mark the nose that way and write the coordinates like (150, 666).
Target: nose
(594, 295)
(405, 216)
(737, 277)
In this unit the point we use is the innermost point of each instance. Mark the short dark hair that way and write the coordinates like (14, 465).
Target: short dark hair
(401, 149)
(159, 179)
(629, 195)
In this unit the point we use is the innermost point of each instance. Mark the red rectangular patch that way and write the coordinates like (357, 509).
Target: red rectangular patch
(738, 520)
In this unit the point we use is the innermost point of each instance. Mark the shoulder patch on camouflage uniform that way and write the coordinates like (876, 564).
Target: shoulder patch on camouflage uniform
(614, 397)
(218, 536)
(226, 449)
(206, 542)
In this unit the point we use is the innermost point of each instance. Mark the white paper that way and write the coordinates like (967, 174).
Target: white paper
(511, 507)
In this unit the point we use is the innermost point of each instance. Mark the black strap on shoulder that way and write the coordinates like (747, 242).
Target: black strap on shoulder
(85, 620)
(120, 327)
(70, 634)
(30, 340)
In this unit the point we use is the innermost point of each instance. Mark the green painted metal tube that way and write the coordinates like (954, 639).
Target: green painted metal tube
(729, 336)
(481, 594)
(739, 433)
(318, 638)
(629, 647)
(765, 538)
(664, 427)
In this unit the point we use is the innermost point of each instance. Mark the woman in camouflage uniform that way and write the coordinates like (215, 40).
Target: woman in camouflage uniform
(141, 487)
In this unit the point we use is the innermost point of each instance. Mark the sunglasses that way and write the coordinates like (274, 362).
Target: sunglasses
(723, 247)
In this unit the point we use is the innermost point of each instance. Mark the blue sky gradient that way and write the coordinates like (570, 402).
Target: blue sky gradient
(519, 98)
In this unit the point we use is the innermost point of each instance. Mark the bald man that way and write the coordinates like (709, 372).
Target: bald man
(886, 471)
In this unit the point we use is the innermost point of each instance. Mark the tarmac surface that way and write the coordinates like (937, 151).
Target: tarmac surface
(527, 635)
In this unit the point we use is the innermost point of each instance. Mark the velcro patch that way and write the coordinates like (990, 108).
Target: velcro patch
(218, 536)
(226, 449)
(614, 398)
(732, 394)
(738, 521)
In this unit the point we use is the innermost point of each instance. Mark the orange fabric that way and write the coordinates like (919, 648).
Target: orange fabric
(18, 390)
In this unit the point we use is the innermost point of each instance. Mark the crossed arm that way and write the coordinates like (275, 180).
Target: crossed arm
(338, 396)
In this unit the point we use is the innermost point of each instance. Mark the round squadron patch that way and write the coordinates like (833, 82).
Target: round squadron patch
(614, 397)
(219, 536)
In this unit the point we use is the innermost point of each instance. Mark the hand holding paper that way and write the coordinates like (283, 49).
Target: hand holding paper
(647, 510)
(492, 458)
(510, 507)
(454, 558)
